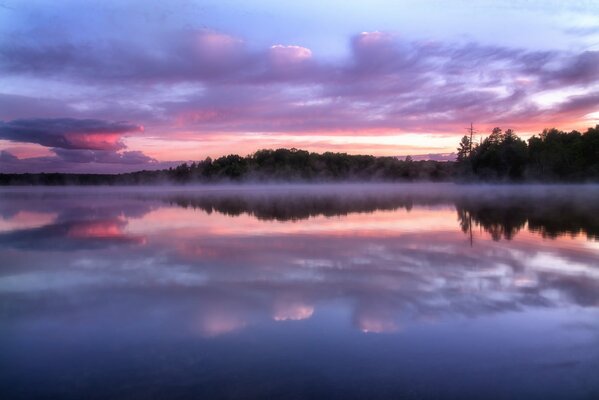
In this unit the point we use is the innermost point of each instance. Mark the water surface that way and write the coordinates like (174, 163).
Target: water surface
(321, 291)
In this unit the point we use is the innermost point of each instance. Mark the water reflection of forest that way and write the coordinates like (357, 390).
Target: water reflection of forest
(502, 216)
(551, 220)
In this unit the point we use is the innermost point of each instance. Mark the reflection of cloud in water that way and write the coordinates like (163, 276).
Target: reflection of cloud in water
(26, 220)
(213, 323)
(72, 235)
(292, 311)
(97, 229)
(375, 320)
(387, 267)
(68, 222)
(370, 324)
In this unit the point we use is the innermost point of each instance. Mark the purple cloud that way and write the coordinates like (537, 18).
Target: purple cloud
(579, 70)
(75, 142)
(103, 156)
(6, 157)
(68, 133)
(202, 82)
(82, 161)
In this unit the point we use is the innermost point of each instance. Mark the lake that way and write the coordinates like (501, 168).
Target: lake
(375, 291)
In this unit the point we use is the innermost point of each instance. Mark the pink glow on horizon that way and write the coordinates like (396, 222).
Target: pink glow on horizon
(184, 144)
(191, 146)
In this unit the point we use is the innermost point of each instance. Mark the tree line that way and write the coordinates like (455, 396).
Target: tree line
(280, 165)
(553, 155)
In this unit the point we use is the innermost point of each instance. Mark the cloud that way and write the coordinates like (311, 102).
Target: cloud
(579, 70)
(176, 56)
(73, 141)
(580, 104)
(21, 107)
(206, 83)
(6, 157)
(387, 84)
(286, 55)
(82, 161)
(103, 156)
(68, 133)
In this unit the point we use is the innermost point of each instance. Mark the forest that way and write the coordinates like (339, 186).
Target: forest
(280, 165)
(551, 156)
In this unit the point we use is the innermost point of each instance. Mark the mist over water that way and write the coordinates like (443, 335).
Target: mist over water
(300, 291)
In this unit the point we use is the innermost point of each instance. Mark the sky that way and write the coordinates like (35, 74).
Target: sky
(116, 86)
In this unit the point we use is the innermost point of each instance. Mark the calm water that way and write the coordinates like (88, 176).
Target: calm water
(350, 291)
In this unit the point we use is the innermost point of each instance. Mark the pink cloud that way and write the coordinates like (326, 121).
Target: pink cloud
(68, 133)
(284, 56)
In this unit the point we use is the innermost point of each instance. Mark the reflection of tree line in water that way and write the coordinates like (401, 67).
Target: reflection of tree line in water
(549, 221)
(290, 208)
(500, 211)
(550, 218)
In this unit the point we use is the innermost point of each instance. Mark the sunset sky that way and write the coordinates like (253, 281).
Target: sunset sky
(112, 86)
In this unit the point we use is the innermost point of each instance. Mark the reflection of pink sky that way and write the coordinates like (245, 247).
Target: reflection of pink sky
(365, 237)
(213, 323)
(376, 324)
(97, 229)
(103, 229)
(437, 227)
(292, 311)
(185, 221)
(26, 220)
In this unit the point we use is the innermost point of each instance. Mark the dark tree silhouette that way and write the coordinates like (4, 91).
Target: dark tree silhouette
(552, 156)
(280, 165)
(464, 149)
(500, 156)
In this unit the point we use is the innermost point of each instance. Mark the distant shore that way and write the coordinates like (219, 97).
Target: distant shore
(551, 157)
